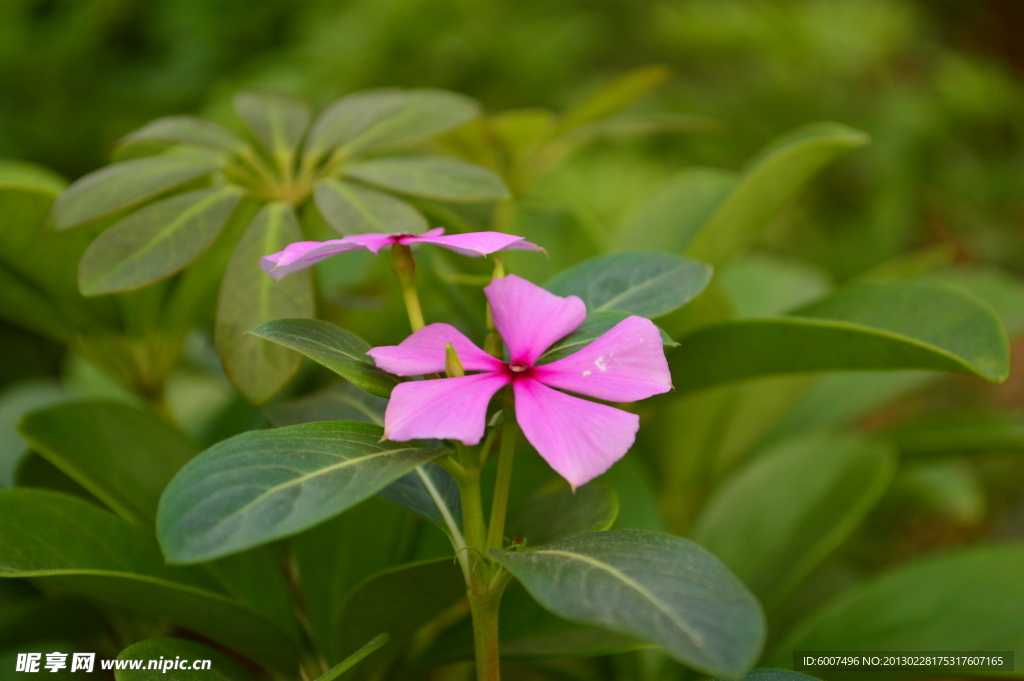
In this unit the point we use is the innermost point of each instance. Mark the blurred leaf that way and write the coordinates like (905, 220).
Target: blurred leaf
(615, 96)
(121, 454)
(645, 283)
(126, 184)
(268, 484)
(340, 401)
(770, 183)
(594, 326)
(277, 122)
(557, 512)
(356, 657)
(430, 492)
(334, 557)
(222, 667)
(762, 285)
(776, 675)
(950, 488)
(778, 517)
(376, 118)
(1002, 290)
(662, 589)
(16, 400)
(670, 218)
(71, 544)
(25, 306)
(432, 177)
(156, 241)
(352, 209)
(638, 500)
(35, 472)
(30, 177)
(528, 631)
(870, 326)
(960, 433)
(398, 601)
(32, 619)
(339, 350)
(627, 127)
(182, 130)
(967, 600)
(248, 297)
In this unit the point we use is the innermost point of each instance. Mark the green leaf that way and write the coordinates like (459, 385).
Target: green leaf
(155, 242)
(870, 326)
(15, 400)
(778, 517)
(268, 484)
(356, 657)
(762, 285)
(29, 308)
(277, 122)
(960, 433)
(432, 177)
(121, 454)
(182, 130)
(594, 326)
(123, 185)
(672, 216)
(351, 209)
(430, 492)
(616, 95)
(376, 118)
(770, 183)
(776, 675)
(662, 589)
(967, 600)
(400, 601)
(340, 401)
(339, 350)
(73, 545)
(248, 297)
(556, 513)
(171, 650)
(950, 488)
(645, 283)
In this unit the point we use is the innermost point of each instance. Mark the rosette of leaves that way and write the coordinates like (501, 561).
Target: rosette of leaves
(190, 192)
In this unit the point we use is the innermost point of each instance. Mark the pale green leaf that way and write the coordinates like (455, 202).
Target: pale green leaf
(172, 651)
(432, 177)
(352, 209)
(182, 130)
(277, 122)
(616, 95)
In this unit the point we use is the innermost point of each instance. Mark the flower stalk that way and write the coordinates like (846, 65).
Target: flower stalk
(499, 505)
(404, 267)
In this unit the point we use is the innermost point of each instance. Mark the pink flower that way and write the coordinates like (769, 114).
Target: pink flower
(578, 438)
(302, 254)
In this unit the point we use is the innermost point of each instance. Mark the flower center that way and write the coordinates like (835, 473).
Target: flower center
(517, 367)
(517, 370)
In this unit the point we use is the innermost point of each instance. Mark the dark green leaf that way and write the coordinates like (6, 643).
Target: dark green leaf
(339, 350)
(375, 118)
(356, 657)
(432, 177)
(645, 283)
(119, 453)
(123, 185)
(960, 433)
(268, 484)
(870, 326)
(399, 601)
(171, 650)
(277, 122)
(30, 620)
(595, 325)
(182, 130)
(556, 513)
(672, 216)
(778, 517)
(775, 675)
(155, 242)
(29, 308)
(71, 544)
(16, 400)
(340, 401)
(430, 492)
(615, 96)
(248, 298)
(770, 183)
(662, 589)
(351, 209)
(967, 600)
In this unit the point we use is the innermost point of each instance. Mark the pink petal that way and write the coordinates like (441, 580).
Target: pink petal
(302, 254)
(625, 364)
(529, 318)
(424, 351)
(475, 244)
(443, 408)
(579, 439)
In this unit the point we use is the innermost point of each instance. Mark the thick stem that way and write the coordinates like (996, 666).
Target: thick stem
(473, 515)
(404, 268)
(509, 435)
(485, 636)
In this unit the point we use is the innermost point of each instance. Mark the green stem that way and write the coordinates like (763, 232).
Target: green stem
(404, 268)
(473, 514)
(484, 609)
(509, 435)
